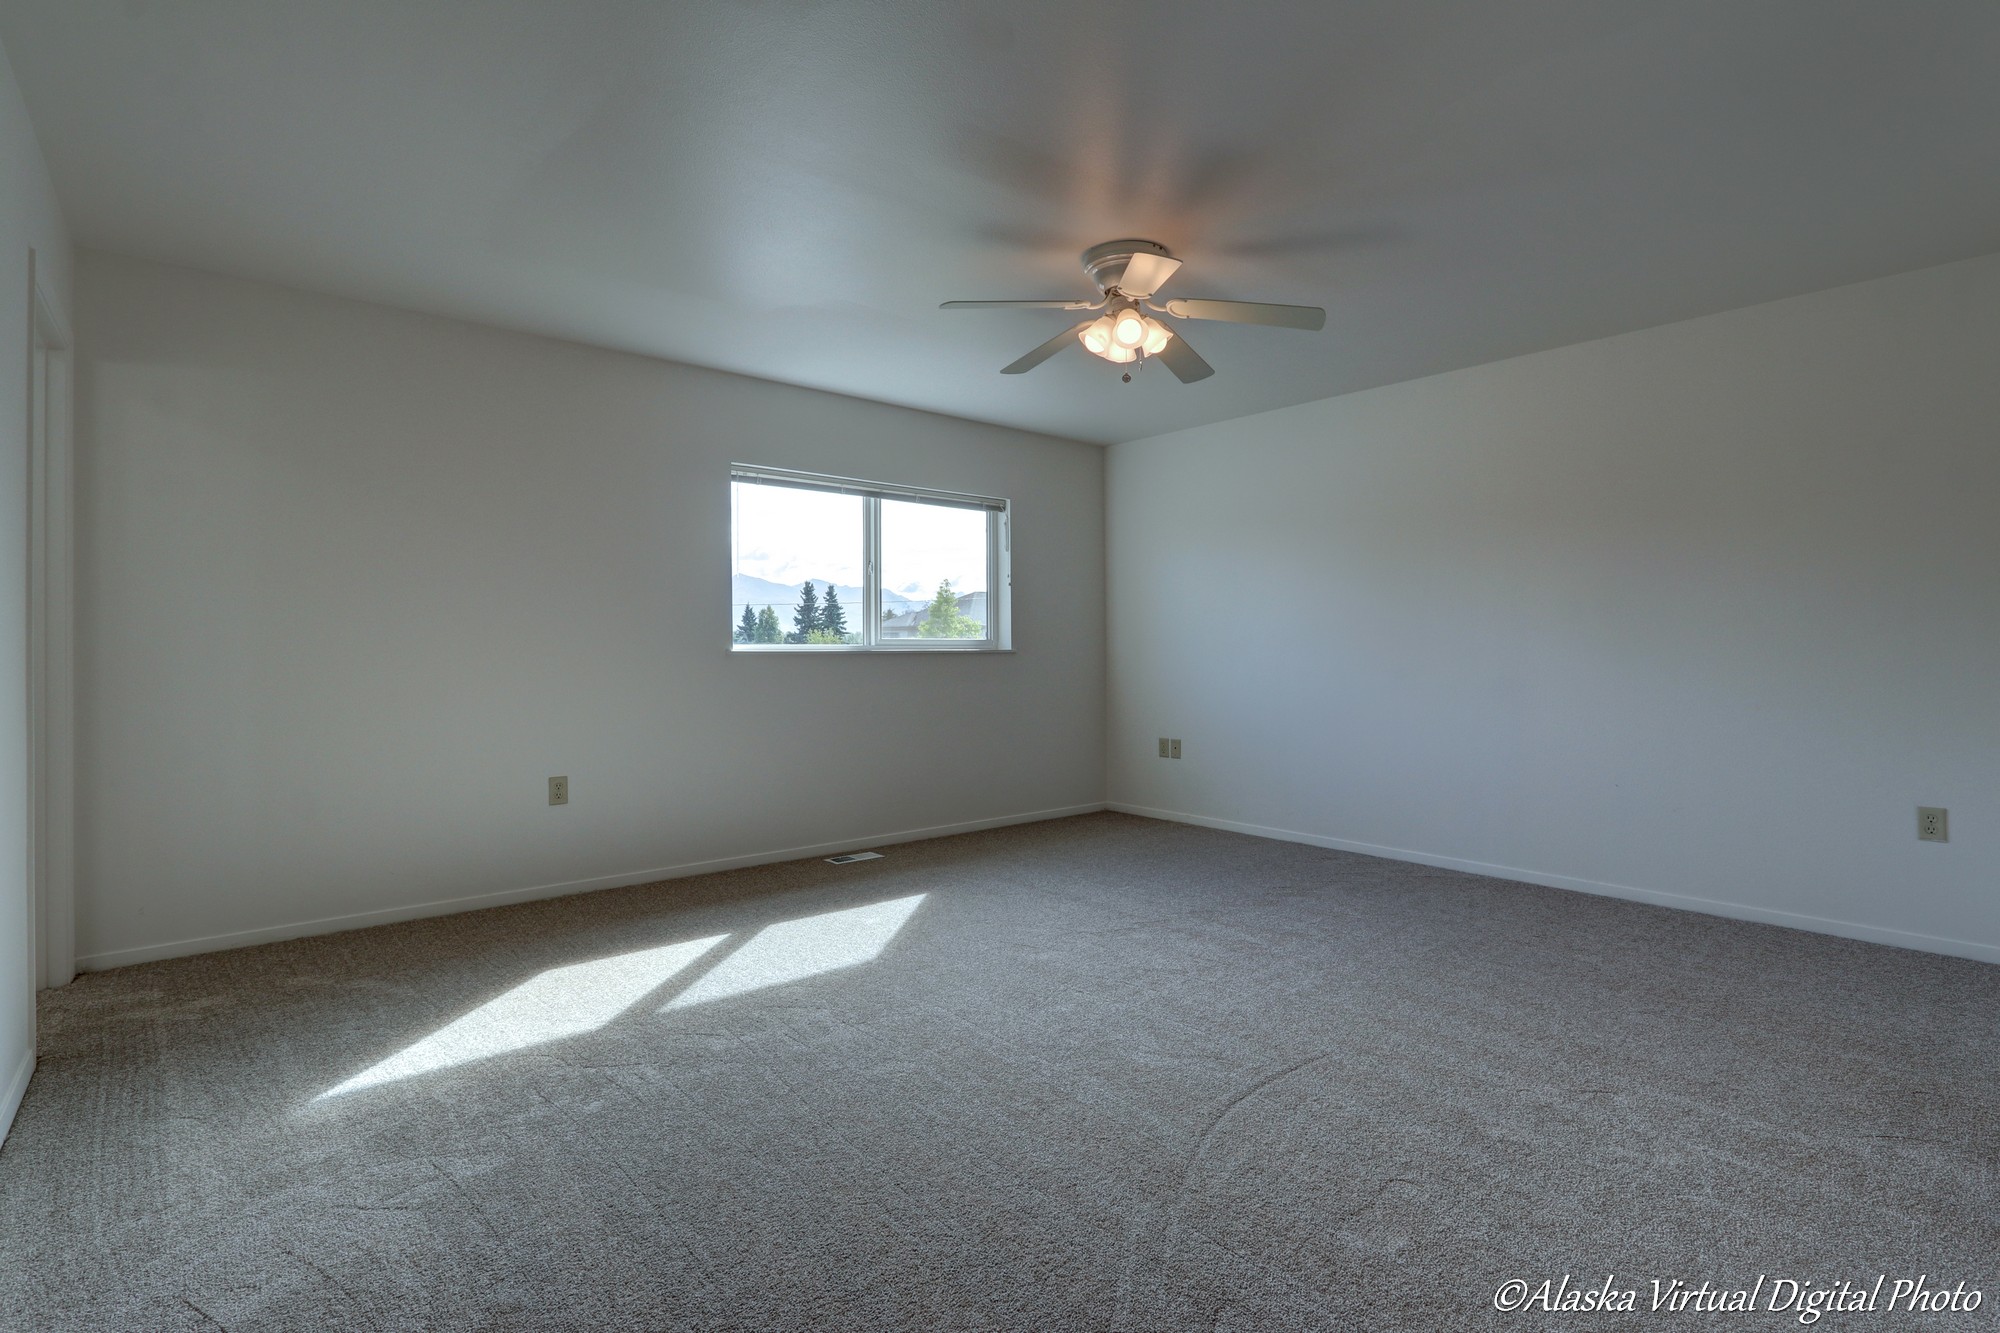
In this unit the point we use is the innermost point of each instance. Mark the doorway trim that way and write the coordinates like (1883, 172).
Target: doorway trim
(51, 701)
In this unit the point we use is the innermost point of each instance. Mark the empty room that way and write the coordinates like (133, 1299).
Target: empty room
(867, 664)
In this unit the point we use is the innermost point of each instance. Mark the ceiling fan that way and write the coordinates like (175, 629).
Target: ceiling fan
(1128, 275)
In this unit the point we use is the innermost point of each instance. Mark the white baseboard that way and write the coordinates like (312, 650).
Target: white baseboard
(17, 1088)
(1904, 939)
(146, 953)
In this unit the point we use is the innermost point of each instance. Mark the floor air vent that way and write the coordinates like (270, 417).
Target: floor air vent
(853, 856)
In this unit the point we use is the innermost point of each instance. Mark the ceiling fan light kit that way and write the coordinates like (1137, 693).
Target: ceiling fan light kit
(1128, 274)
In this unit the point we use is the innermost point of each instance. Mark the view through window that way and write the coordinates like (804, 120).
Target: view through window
(832, 563)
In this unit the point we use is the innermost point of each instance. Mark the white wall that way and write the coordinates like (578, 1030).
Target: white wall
(354, 582)
(29, 220)
(1699, 614)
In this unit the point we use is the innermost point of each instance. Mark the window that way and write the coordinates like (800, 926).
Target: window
(826, 564)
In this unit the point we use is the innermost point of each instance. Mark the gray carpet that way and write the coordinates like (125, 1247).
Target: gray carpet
(1107, 1073)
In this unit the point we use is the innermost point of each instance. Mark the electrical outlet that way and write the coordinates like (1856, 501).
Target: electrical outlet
(558, 791)
(1932, 825)
(1177, 748)
(1166, 751)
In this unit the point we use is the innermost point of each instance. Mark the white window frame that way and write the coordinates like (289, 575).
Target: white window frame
(999, 541)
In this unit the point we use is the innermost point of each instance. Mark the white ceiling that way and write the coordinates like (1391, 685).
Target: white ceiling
(788, 188)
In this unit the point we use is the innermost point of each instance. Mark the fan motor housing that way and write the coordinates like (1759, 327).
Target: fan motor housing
(1106, 263)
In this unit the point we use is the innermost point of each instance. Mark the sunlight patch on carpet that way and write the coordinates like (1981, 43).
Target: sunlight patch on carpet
(794, 950)
(561, 1002)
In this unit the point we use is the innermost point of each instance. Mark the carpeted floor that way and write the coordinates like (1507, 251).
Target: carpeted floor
(1105, 1073)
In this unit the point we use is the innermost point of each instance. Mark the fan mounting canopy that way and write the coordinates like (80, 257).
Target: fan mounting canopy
(1109, 263)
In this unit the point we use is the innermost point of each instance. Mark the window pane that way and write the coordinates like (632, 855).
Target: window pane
(934, 576)
(785, 540)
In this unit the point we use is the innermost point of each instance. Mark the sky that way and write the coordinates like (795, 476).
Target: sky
(788, 535)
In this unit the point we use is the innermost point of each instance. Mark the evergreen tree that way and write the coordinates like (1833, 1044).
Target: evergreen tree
(767, 627)
(805, 617)
(746, 629)
(943, 619)
(833, 617)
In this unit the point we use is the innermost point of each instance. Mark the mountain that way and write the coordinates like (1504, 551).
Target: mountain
(748, 590)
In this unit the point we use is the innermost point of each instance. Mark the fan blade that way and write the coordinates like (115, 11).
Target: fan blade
(1251, 312)
(1146, 274)
(1181, 359)
(1045, 351)
(1018, 305)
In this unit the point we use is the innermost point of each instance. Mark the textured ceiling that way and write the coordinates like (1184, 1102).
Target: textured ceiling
(789, 189)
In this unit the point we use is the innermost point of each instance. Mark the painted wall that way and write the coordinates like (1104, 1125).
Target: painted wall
(1698, 614)
(354, 582)
(29, 221)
